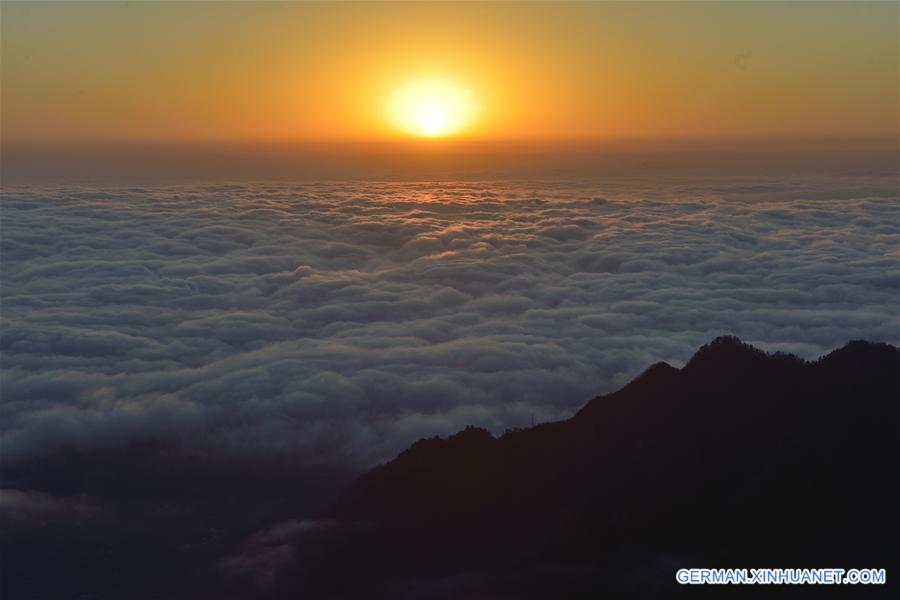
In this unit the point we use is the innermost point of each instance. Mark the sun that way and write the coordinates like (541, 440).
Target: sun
(431, 107)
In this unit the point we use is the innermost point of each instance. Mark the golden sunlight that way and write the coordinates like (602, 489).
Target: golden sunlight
(431, 107)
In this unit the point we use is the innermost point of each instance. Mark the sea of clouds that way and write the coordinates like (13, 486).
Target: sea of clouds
(336, 323)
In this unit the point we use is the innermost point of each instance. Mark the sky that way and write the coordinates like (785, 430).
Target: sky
(253, 71)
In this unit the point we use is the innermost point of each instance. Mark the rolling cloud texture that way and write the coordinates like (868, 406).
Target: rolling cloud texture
(341, 322)
(327, 326)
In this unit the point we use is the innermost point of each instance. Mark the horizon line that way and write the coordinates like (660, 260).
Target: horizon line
(726, 137)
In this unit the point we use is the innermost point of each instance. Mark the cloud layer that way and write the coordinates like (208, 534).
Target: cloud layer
(332, 324)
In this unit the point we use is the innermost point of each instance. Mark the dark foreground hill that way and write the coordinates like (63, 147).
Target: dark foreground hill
(739, 459)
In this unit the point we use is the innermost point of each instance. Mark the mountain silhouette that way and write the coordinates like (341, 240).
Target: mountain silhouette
(739, 459)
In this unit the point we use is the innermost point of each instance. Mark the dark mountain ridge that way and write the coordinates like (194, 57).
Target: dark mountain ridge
(740, 459)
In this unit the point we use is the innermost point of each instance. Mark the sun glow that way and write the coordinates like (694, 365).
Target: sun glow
(431, 107)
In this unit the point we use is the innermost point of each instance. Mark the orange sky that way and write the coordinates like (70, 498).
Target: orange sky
(308, 71)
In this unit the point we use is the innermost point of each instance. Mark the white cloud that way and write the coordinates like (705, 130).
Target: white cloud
(337, 323)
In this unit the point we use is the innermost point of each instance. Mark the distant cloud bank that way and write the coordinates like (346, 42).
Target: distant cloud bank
(334, 324)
